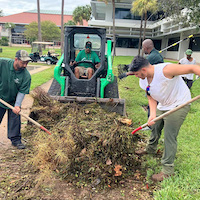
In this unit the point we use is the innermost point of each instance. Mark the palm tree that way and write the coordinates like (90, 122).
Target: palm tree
(141, 7)
(62, 28)
(39, 27)
(80, 13)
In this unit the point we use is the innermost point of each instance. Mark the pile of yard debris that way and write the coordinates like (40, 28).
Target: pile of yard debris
(88, 145)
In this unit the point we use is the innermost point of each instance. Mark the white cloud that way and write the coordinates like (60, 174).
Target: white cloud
(10, 7)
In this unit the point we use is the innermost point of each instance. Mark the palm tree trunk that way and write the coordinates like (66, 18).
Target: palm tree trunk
(114, 38)
(145, 24)
(62, 28)
(39, 27)
(140, 39)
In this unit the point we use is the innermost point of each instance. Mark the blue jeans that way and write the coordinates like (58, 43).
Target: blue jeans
(14, 125)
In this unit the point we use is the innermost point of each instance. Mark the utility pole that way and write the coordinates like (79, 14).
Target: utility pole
(39, 27)
(62, 28)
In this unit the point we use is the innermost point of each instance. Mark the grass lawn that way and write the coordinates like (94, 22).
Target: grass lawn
(9, 52)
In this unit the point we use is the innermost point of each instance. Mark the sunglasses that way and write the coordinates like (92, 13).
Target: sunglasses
(88, 47)
(148, 90)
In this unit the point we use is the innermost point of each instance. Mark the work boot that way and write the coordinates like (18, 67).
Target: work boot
(19, 145)
(141, 152)
(160, 177)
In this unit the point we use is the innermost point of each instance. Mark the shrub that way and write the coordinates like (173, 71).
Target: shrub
(4, 41)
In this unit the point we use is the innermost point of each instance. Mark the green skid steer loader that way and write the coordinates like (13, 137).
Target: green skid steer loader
(102, 87)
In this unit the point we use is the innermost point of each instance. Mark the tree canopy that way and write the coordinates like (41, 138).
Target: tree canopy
(49, 29)
(69, 23)
(81, 13)
(175, 9)
(9, 25)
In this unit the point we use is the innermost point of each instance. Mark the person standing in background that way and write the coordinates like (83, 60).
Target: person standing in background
(188, 60)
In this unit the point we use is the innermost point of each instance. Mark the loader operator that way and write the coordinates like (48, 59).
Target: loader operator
(15, 81)
(86, 69)
(164, 84)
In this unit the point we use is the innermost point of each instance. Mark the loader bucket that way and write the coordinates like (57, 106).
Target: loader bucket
(109, 104)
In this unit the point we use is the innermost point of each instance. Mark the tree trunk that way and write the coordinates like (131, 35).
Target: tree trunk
(145, 24)
(140, 39)
(62, 28)
(39, 27)
(114, 38)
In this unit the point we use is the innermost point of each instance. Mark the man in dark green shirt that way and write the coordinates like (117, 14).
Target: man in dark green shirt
(90, 61)
(15, 82)
(154, 57)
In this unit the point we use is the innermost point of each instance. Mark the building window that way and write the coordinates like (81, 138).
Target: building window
(195, 44)
(172, 41)
(127, 42)
(122, 13)
(157, 44)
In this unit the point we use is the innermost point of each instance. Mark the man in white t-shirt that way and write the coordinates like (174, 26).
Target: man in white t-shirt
(188, 60)
(164, 84)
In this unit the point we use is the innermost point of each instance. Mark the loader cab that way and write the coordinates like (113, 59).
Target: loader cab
(75, 40)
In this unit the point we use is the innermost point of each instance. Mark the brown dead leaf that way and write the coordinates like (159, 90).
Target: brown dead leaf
(118, 170)
(83, 152)
(137, 176)
(126, 121)
(87, 111)
(109, 162)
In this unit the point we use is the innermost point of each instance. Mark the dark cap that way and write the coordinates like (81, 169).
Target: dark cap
(88, 44)
(22, 55)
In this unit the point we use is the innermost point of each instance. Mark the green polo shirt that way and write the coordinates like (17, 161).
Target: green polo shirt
(155, 57)
(92, 56)
(12, 82)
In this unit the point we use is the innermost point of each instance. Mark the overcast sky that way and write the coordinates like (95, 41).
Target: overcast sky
(10, 7)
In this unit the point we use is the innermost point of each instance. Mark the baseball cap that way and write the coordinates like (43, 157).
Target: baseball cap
(188, 52)
(22, 55)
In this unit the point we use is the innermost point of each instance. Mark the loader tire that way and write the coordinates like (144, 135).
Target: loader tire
(111, 90)
(55, 88)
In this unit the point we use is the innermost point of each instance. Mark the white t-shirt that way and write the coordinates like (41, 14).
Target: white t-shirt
(170, 93)
(185, 61)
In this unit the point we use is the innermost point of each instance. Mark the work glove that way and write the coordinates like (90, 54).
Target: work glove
(121, 76)
(126, 67)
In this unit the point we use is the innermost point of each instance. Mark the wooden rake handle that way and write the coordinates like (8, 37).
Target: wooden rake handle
(167, 113)
(27, 117)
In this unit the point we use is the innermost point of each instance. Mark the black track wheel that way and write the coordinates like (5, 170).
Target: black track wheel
(55, 88)
(111, 90)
